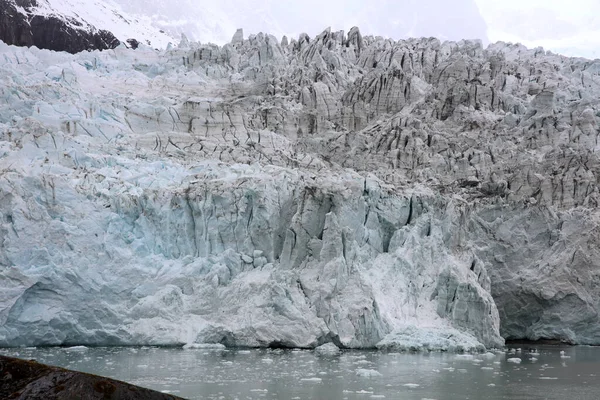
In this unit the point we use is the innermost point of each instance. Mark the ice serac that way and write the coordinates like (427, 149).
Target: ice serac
(238, 37)
(339, 189)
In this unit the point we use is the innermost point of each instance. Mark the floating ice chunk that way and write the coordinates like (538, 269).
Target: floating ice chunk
(369, 373)
(377, 396)
(533, 359)
(328, 349)
(204, 346)
(363, 392)
(76, 348)
(412, 338)
(563, 354)
(548, 377)
(487, 368)
(514, 360)
(411, 385)
(465, 356)
(313, 379)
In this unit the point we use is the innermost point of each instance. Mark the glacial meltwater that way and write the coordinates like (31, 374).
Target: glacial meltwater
(529, 372)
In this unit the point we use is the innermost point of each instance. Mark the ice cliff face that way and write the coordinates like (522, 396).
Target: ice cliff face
(344, 189)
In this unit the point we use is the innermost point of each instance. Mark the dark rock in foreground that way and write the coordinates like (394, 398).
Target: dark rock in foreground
(22, 379)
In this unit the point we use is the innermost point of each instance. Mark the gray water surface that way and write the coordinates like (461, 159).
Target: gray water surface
(543, 373)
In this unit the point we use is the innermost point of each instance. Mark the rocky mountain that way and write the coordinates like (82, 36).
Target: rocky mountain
(74, 25)
(21, 26)
(344, 188)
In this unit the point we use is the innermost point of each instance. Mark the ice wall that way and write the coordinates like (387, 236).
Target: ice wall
(346, 189)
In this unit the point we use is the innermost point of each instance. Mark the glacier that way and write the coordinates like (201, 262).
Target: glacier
(343, 189)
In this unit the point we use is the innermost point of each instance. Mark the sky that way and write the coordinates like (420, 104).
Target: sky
(570, 27)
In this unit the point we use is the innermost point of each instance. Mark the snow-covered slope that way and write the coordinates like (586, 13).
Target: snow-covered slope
(75, 25)
(345, 189)
(107, 15)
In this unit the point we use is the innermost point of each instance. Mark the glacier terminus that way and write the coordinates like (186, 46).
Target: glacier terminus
(295, 192)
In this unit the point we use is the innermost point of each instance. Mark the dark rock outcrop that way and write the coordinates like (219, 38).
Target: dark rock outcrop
(52, 33)
(22, 379)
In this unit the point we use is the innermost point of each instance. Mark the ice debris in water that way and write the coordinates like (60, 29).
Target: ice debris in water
(204, 346)
(411, 385)
(313, 379)
(76, 348)
(368, 373)
(327, 349)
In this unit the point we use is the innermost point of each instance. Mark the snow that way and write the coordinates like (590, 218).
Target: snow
(107, 15)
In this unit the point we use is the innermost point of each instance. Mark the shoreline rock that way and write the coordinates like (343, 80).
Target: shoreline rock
(30, 380)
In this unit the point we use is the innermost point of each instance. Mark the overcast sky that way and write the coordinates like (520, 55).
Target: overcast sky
(570, 27)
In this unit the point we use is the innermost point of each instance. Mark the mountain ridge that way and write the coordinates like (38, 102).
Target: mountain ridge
(73, 26)
(155, 23)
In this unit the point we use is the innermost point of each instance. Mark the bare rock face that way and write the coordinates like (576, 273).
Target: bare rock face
(342, 188)
(21, 27)
(21, 379)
